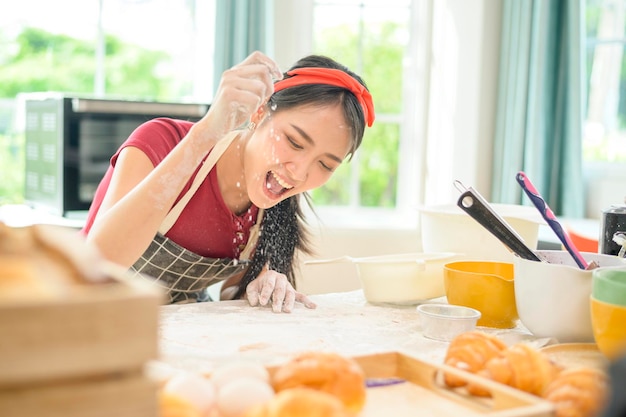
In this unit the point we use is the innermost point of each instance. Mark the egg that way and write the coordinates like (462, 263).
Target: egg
(234, 370)
(237, 396)
(193, 388)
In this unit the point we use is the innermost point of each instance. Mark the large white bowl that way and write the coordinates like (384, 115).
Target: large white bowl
(447, 228)
(552, 297)
(403, 278)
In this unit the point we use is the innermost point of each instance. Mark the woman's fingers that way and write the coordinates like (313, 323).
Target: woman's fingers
(279, 296)
(274, 287)
(242, 90)
(260, 58)
(288, 303)
(256, 74)
(254, 79)
(252, 293)
(301, 298)
(267, 283)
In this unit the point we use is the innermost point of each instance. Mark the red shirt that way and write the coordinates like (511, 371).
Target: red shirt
(206, 226)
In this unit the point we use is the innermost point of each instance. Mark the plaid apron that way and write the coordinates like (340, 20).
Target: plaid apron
(186, 275)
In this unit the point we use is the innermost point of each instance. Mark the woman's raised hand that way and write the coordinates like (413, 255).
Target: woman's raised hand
(242, 90)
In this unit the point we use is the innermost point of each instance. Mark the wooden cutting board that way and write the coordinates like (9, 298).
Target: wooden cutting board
(119, 395)
(100, 329)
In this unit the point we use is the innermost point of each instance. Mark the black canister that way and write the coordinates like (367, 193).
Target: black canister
(613, 220)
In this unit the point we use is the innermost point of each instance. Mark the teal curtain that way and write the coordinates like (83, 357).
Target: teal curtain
(241, 27)
(541, 102)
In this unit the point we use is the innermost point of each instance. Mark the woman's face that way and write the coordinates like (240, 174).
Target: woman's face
(293, 151)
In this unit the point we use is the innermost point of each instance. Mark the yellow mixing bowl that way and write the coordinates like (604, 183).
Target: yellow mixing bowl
(485, 286)
(609, 329)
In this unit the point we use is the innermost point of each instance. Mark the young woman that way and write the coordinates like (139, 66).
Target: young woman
(189, 204)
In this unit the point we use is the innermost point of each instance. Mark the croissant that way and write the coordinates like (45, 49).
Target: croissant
(325, 371)
(578, 392)
(300, 402)
(470, 351)
(520, 366)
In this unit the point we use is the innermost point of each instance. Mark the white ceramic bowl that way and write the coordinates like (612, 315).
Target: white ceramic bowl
(447, 228)
(446, 321)
(552, 297)
(403, 278)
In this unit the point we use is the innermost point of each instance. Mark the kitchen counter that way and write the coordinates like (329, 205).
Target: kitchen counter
(19, 215)
(198, 336)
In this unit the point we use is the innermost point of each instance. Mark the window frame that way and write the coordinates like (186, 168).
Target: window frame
(603, 179)
(404, 215)
(441, 145)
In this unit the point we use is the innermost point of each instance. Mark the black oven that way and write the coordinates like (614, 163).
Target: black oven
(69, 141)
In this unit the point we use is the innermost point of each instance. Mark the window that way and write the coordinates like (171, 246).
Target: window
(104, 53)
(95, 48)
(605, 124)
(604, 136)
(372, 38)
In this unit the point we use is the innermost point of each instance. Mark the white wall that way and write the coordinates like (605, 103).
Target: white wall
(293, 31)
(463, 85)
(461, 101)
(605, 185)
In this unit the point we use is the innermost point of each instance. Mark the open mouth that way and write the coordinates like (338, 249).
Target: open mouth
(276, 185)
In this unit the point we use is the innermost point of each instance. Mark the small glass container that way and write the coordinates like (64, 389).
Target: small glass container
(446, 321)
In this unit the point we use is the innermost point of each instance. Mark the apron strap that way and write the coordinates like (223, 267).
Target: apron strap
(217, 151)
(208, 164)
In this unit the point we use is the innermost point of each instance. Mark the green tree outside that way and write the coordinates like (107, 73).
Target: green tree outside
(382, 70)
(39, 61)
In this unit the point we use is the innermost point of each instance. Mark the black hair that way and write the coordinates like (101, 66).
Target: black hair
(283, 229)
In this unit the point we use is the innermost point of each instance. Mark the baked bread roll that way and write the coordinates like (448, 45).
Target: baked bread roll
(324, 371)
(45, 261)
(470, 351)
(520, 366)
(300, 402)
(578, 392)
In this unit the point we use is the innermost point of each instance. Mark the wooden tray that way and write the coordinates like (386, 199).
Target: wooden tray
(577, 354)
(424, 392)
(101, 329)
(121, 395)
(400, 385)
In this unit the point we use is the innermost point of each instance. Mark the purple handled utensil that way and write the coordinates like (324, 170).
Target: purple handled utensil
(550, 218)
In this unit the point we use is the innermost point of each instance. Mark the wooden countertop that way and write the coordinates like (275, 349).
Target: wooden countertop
(198, 336)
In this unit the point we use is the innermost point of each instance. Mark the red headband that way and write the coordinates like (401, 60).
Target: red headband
(334, 77)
